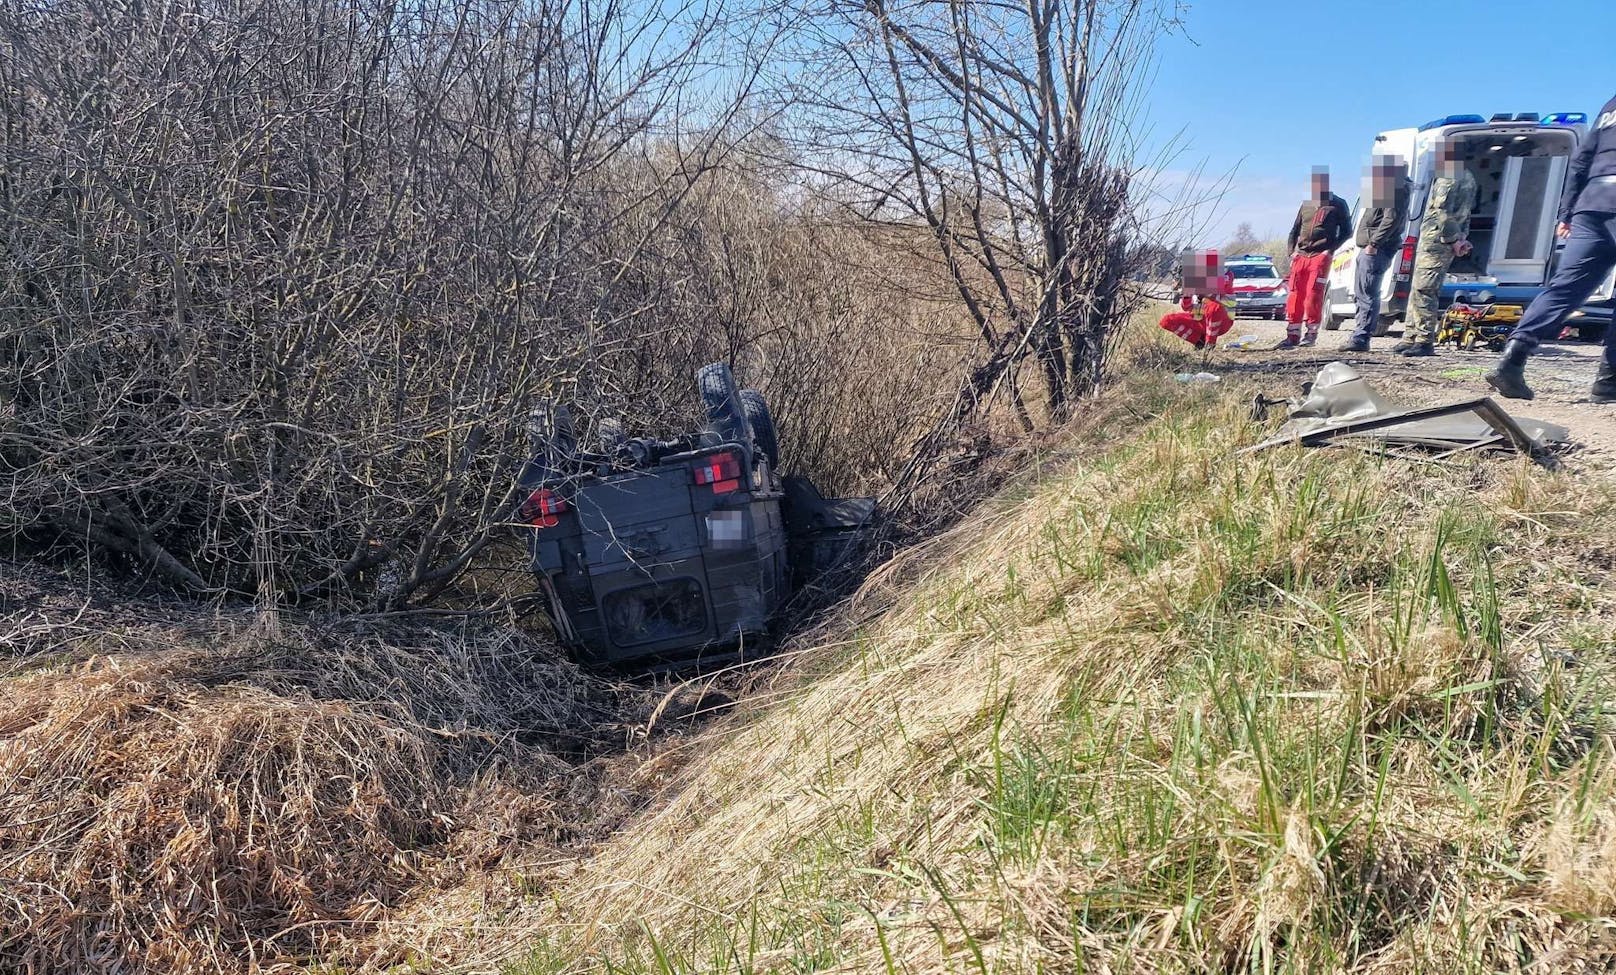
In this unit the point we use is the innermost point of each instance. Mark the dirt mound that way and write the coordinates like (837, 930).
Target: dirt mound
(187, 790)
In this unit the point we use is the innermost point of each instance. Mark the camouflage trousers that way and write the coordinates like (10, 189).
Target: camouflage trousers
(1431, 263)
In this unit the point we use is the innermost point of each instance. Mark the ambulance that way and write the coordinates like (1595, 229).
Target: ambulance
(1520, 162)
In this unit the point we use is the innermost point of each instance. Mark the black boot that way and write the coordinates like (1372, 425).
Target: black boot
(1604, 390)
(1509, 375)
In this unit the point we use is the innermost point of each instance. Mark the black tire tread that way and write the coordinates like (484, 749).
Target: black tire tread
(764, 433)
(721, 400)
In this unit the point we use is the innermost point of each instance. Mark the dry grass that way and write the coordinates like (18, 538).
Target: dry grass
(1157, 708)
(1172, 711)
(203, 792)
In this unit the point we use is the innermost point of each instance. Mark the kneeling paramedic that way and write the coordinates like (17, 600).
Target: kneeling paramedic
(1202, 316)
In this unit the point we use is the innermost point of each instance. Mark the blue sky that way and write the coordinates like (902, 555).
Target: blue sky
(1267, 89)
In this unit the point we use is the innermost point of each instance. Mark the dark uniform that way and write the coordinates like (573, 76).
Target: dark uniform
(1588, 207)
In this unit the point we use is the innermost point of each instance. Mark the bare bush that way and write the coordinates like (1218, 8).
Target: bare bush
(282, 282)
(1001, 129)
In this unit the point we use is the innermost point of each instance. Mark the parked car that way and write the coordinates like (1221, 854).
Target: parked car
(1520, 162)
(651, 551)
(1259, 291)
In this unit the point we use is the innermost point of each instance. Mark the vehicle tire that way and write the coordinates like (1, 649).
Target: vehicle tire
(762, 421)
(1332, 321)
(722, 402)
(1383, 325)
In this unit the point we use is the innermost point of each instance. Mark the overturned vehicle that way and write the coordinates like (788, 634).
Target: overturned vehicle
(655, 552)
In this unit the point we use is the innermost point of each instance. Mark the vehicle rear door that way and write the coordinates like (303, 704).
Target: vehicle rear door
(641, 519)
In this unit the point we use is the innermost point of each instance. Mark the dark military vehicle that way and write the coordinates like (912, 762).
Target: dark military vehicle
(654, 551)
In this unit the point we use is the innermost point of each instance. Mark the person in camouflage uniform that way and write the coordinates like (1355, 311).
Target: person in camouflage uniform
(1443, 236)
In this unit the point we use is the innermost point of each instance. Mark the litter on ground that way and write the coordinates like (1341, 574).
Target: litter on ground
(1339, 405)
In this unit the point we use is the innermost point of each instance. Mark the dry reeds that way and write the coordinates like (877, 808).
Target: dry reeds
(194, 796)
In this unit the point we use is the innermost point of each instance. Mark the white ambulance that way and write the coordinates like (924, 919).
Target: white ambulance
(1520, 163)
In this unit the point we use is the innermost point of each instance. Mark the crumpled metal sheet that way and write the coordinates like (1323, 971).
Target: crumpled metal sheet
(1339, 403)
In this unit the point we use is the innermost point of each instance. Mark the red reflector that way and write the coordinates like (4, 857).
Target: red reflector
(725, 487)
(541, 508)
(1405, 265)
(724, 466)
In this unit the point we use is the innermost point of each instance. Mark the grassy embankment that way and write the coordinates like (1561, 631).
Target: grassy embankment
(1167, 709)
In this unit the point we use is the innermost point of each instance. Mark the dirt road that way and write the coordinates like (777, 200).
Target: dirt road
(1559, 373)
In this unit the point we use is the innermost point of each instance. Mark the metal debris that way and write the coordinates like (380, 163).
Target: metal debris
(1339, 405)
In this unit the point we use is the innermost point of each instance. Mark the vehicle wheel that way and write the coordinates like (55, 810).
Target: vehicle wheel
(763, 432)
(1332, 321)
(722, 402)
(1383, 325)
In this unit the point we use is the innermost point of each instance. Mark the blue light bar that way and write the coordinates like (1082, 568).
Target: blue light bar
(1453, 120)
(1567, 118)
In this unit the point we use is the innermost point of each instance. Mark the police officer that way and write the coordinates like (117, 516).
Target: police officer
(1379, 234)
(1444, 233)
(1588, 226)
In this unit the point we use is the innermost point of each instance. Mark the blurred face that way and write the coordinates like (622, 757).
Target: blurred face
(1201, 271)
(1381, 179)
(1321, 184)
(1450, 158)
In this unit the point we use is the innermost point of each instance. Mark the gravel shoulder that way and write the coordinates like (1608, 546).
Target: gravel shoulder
(1560, 374)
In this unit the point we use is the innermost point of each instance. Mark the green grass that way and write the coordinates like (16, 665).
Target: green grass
(1176, 711)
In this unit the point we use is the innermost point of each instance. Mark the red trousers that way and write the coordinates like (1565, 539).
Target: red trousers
(1201, 328)
(1309, 275)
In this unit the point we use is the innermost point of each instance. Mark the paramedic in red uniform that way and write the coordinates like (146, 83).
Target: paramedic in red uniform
(1202, 316)
(1322, 224)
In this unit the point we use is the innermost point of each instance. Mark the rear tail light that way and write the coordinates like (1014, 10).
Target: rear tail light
(721, 470)
(542, 508)
(1405, 267)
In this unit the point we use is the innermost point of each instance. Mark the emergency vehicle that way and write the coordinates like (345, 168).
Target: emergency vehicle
(1520, 162)
(1258, 290)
